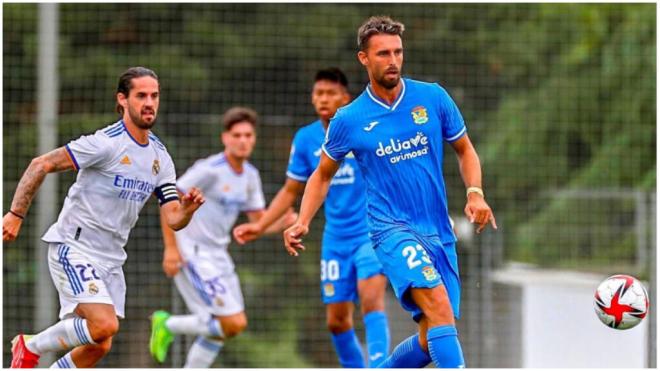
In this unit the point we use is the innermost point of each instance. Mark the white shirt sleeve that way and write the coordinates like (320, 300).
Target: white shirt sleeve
(256, 200)
(90, 150)
(198, 176)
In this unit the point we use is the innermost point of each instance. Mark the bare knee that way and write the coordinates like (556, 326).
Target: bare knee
(435, 305)
(87, 356)
(372, 294)
(233, 325)
(102, 328)
(339, 322)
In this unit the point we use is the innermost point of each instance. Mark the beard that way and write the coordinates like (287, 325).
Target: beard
(136, 117)
(388, 84)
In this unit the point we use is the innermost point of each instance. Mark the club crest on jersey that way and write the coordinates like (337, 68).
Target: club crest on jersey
(219, 302)
(329, 289)
(93, 289)
(155, 168)
(419, 115)
(430, 273)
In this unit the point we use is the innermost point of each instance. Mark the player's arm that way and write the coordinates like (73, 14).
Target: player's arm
(315, 193)
(177, 213)
(53, 161)
(277, 217)
(476, 208)
(171, 257)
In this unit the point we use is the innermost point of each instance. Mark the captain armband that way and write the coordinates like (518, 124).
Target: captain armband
(166, 193)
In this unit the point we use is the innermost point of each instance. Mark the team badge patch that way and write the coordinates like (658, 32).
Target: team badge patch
(155, 168)
(430, 273)
(219, 302)
(419, 115)
(329, 289)
(93, 289)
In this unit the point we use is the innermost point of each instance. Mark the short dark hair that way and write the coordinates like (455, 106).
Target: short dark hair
(333, 74)
(235, 115)
(124, 86)
(376, 25)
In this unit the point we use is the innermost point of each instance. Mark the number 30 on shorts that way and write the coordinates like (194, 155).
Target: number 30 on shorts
(410, 252)
(329, 270)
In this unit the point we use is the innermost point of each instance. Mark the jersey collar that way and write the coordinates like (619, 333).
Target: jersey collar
(133, 139)
(382, 103)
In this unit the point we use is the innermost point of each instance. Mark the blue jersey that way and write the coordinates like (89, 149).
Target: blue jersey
(399, 150)
(345, 205)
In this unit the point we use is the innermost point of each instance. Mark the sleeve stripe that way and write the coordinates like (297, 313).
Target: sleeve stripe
(327, 154)
(455, 137)
(72, 157)
(296, 177)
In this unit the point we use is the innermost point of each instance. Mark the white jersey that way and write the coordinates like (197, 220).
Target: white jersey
(227, 193)
(116, 177)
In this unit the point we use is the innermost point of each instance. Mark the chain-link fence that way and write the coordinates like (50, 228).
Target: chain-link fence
(559, 100)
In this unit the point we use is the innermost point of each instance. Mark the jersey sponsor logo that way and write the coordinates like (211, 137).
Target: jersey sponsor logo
(371, 125)
(125, 160)
(404, 150)
(155, 168)
(133, 189)
(419, 115)
(344, 176)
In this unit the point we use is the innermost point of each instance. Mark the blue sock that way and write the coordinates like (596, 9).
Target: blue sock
(348, 349)
(444, 347)
(378, 337)
(408, 354)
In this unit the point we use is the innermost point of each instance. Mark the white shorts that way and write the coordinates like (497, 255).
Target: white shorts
(207, 290)
(79, 279)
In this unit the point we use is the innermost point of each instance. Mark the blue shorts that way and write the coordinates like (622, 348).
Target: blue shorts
(410, 261)
(344, 261)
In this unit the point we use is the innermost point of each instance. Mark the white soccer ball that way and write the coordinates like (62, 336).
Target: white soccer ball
(621, 302)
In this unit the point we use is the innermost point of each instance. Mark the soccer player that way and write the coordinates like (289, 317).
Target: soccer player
(349, 266)
(119, 168)
(197, 256)
(395, 129)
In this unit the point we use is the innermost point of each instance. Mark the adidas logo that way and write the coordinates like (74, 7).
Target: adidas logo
(125, 160)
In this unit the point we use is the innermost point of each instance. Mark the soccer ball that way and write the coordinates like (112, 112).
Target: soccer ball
(621, 302)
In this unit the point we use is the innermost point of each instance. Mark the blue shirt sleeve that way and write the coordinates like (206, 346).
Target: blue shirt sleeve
(336, 144)
(453, 126)
(299, 167)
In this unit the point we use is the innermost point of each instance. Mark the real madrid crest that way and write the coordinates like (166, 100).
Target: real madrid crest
(93, 289)
(155, 168)
(419, 115)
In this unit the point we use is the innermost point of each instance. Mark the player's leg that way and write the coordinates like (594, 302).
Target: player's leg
(78, 289)
(403, 264)
(437, 328)
(216, 302)
(371, 290)
(339, 291)
(439, 306)
(339, 321)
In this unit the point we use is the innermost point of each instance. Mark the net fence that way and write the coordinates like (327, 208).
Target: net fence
(559, 100)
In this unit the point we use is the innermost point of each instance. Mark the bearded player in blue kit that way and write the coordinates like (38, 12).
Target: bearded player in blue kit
(395, 129)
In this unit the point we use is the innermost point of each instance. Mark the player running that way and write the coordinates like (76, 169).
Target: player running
(119, 168)
(197, 256)
(395, 129)
(349, 266)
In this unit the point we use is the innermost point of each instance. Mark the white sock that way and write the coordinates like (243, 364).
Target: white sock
(63, 335)
(64, 362)
(203, 352)
(194, 325)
